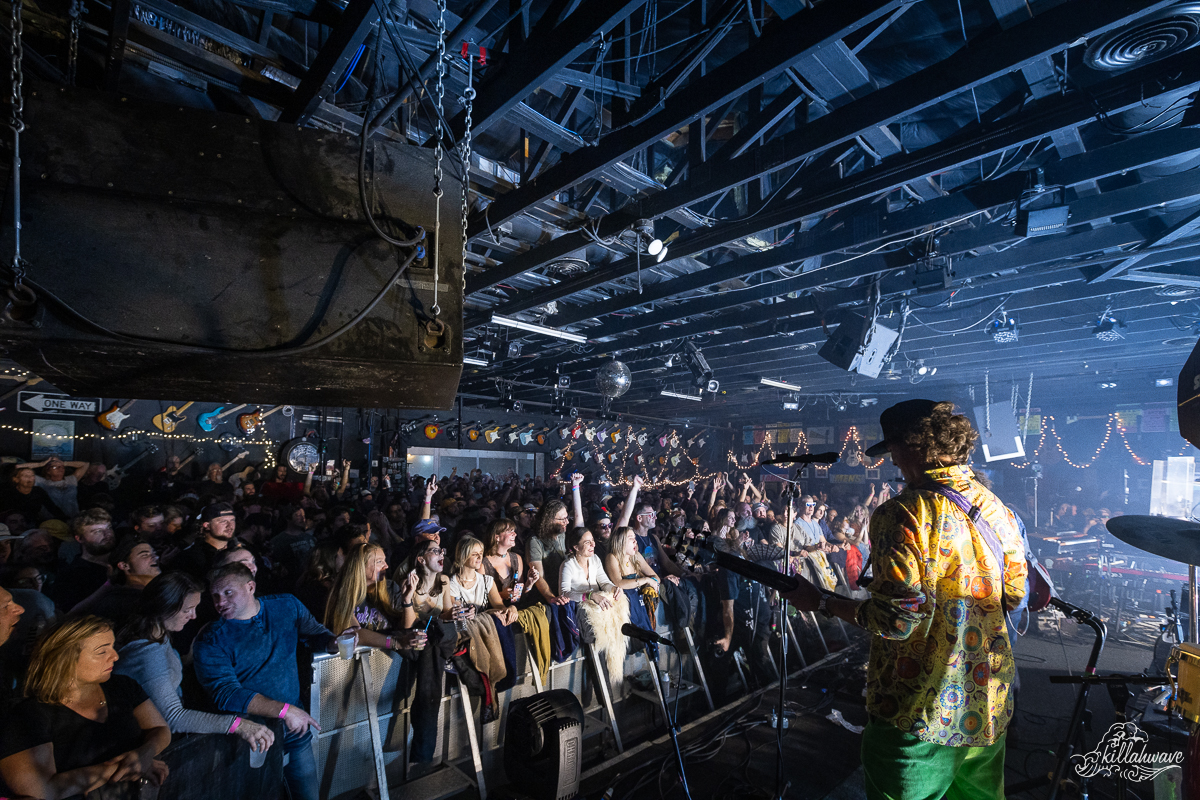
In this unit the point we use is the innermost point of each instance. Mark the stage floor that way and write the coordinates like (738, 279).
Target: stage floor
(736, 745)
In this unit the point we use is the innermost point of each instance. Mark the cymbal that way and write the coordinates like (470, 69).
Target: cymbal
(1175, 539)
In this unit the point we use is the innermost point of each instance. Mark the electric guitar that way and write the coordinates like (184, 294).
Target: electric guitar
(20, 386)
(234, 460)
(251, 422)
(184, 463)
(642, 438)
(516, 433)
(615, 435)
(117, 474)
(432, 430)
(208, 422)
(529, 435)
(115, 415)
(541, 438)
(492, 434)
(476, 430)
(590, 433)
(587, 455)
(170, 419)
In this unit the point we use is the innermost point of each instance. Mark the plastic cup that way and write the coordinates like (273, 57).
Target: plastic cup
(345, 644)
(421, 641)
(257, 758)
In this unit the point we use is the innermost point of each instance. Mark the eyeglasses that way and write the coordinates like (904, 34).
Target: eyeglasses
(810, 504)
(604, 524)
(436, 551)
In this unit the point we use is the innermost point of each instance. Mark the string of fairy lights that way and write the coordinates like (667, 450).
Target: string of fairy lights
(1113, 425)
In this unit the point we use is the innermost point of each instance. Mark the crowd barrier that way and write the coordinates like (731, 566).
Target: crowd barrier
(354, 730)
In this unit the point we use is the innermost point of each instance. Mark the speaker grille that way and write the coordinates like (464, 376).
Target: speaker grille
(1166, 33)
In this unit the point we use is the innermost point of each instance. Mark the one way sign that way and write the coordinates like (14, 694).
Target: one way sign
(41, 403)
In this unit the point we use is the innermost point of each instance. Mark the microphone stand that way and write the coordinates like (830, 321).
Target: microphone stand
(781, 783)
(672, 728)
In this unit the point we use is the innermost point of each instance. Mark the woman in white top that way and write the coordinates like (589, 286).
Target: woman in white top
(472, 589)
(583, 576)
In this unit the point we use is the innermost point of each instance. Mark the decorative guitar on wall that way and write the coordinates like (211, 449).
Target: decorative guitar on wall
(476, 430)
(117, 474)
(114, 416)
(251, 422)
(168, 420)
(210, 420)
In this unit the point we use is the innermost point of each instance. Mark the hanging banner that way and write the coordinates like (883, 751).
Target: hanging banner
(748, 435)
(1127, 418)
(1155, 419)
(822, 435)
(1031, 425)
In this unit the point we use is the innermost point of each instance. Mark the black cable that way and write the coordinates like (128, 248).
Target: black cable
(253, 353)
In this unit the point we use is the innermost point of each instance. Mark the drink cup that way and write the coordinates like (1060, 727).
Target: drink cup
(257, 758)
(517, 589)
(422, 640)
(345, 644)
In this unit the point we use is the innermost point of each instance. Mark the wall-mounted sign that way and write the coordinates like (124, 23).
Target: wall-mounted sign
(43, 403)
(53, 437)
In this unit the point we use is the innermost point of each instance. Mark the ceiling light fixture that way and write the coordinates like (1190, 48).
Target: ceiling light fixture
(1003, 330)
(697, 364)
(923, 370)
(1107, 329)
(1108, 385)
(471, 361)
(532, 327)
(1164, 382)
(777, 384)
(791, 403)
(680, 396)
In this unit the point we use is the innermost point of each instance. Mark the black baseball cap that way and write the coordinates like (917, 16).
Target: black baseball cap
(214, 510)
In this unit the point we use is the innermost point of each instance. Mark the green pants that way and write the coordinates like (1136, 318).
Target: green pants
(899, 766)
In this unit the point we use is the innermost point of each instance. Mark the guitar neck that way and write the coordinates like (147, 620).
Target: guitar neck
(233, 410)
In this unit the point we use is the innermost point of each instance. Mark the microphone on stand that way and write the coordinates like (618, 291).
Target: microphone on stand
(643, 635)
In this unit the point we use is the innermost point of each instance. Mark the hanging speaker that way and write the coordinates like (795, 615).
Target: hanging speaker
(851, 348)
(1002, 438)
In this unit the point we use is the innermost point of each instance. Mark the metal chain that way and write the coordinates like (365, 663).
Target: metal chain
(1028, 408)
(468, 106)
(16, 125)
(440, 93)
(76, 15)
(987, 402)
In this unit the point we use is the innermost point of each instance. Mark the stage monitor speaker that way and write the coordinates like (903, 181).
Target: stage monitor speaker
(1003, 438)
(854, 351)
(543, 745)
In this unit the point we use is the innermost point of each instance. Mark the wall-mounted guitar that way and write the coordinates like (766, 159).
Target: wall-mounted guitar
(184, 463)
(475, 432)
(117, 474)
(251, 422)
(492, 434)
(32, 381)
(528, 436)
(515, 434)
(168, 420)
(234, 460)
(115, 415)
(211, 419)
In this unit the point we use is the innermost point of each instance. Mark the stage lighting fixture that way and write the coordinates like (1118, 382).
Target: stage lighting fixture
(791, 404)
(923, 370)
(564, 381)
(1164, 382)
(777, 384)
(679, 396)
(654, 246)
(514, 349)
(1107, 329)
(713, 386)
(471, 361)
(532, 327)
(507, 402)
(697, 364)
(1108, 385)
(1003, 330)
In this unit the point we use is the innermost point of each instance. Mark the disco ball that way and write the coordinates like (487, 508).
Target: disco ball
(614, 379)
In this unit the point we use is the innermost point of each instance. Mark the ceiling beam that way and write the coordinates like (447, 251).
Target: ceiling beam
(547, 51)
(781, 44)
(332, 61)
(967, 68)
(1042, 118)
(1183, 230)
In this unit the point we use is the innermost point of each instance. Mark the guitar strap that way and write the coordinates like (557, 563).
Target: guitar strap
(981, 525)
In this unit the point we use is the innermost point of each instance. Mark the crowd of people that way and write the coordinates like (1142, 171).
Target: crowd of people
(111, 603)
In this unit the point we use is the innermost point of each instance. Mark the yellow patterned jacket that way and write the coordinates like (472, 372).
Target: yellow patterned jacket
(941, 663)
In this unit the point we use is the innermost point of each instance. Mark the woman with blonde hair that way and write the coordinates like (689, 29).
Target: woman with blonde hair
(473, 591)
(493, 650)
(364, 601)
(630, 572)
(80, 727)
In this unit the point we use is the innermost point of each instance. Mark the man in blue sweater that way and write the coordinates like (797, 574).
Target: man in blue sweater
(246, 661)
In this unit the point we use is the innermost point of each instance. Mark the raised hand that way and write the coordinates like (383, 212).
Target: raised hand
(576, 480)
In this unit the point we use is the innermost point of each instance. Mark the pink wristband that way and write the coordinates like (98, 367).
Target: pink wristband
(283, 711)
(233, 728)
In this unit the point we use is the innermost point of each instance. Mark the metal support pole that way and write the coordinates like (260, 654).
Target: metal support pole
(364, 662)
(691, 646)
(605, 697)
(472, 739)
(1192, 605)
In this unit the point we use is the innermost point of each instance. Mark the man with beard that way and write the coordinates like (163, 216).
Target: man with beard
(94, 532)
(217, 524)
(548, 549)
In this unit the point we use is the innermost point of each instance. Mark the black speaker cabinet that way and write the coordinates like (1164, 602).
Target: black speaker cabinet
(192, 254)
(851, 349)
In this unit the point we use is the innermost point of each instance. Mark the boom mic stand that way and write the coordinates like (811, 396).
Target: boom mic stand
(672, 725)
(781, 783)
